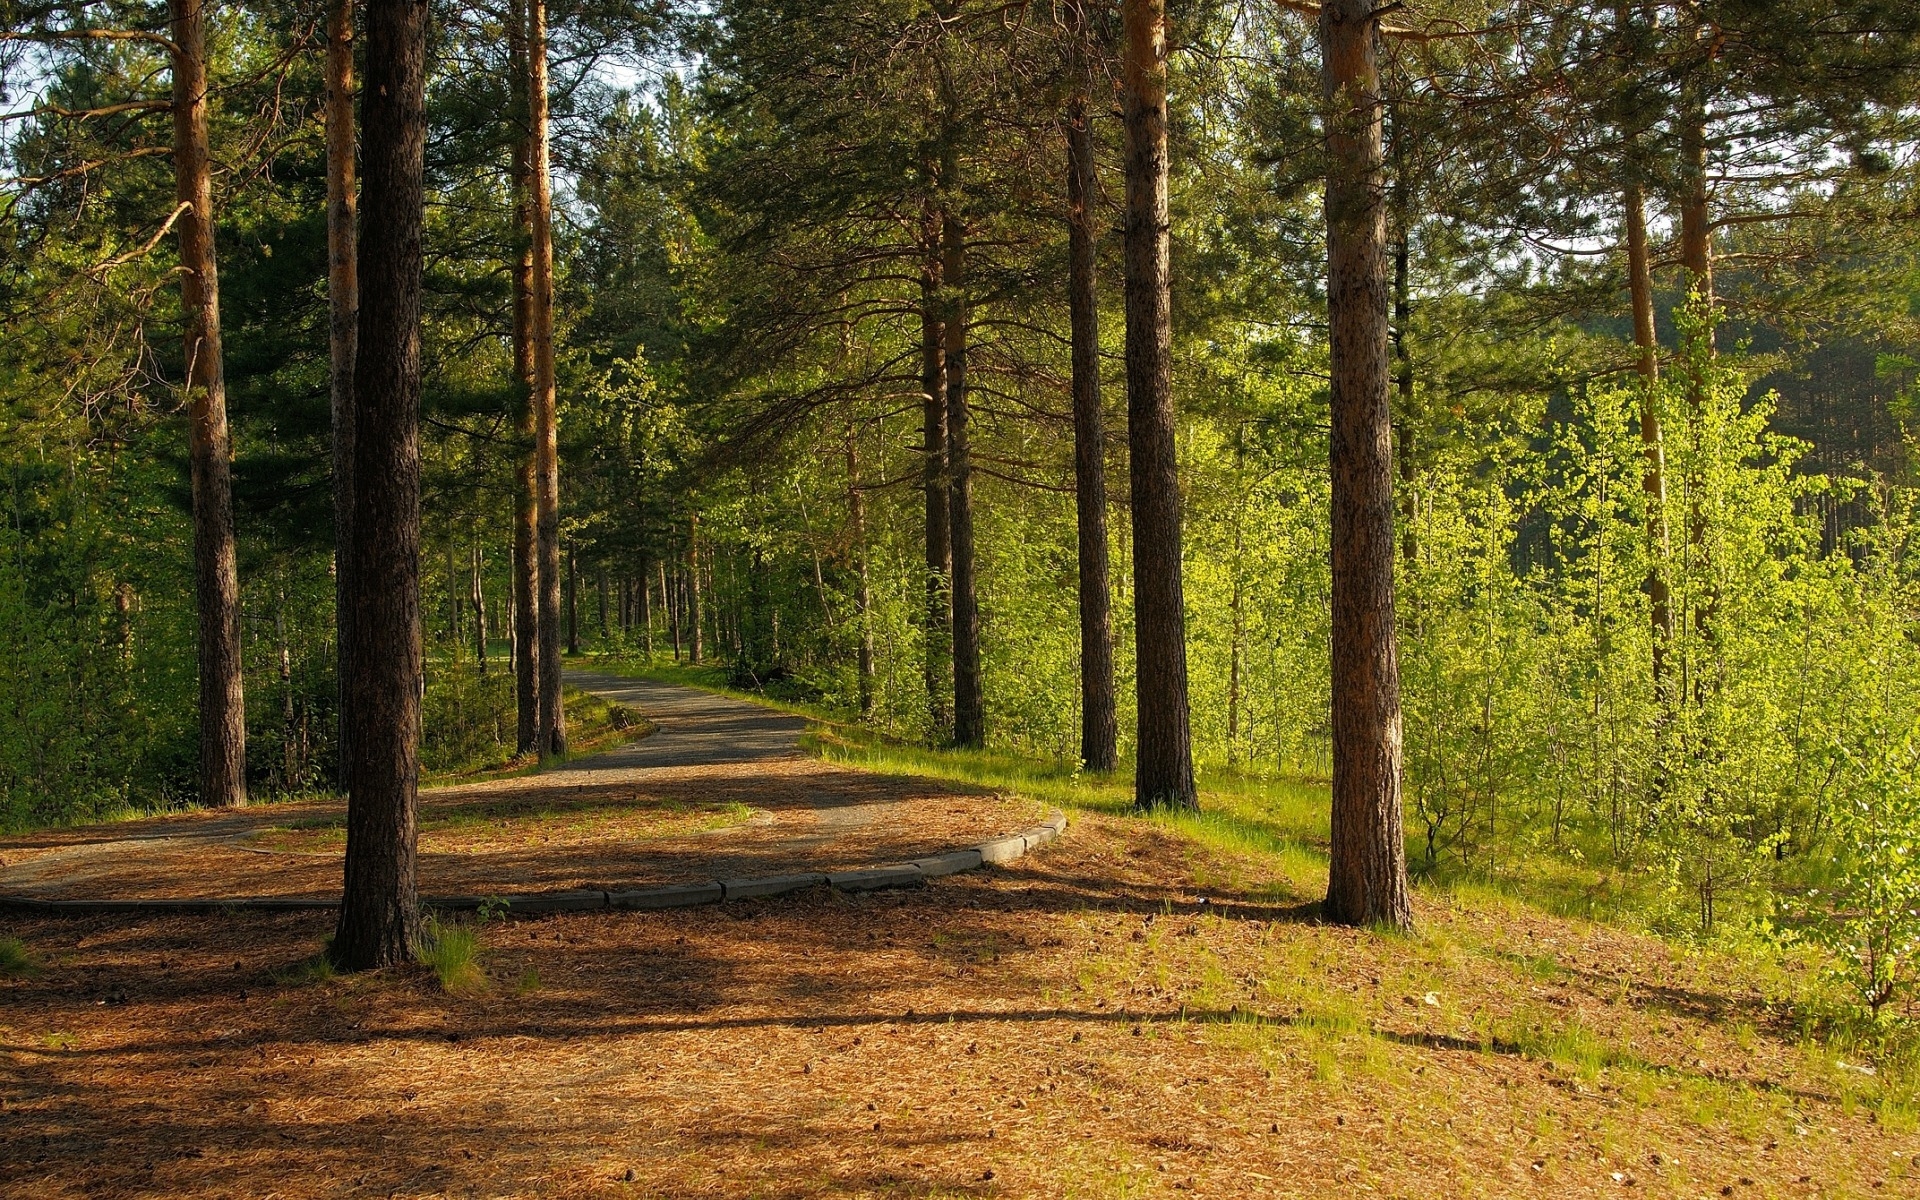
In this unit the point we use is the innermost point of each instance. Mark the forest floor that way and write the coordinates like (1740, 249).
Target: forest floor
(1147, 1007)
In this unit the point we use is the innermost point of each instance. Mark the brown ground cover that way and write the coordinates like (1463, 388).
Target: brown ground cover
(1079, 1024)
(594, 827)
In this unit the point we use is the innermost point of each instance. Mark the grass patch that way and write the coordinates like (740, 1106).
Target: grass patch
(451, 949)
(317, 969)
(15, 961)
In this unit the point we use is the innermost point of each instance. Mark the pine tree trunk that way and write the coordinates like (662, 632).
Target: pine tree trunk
(343, 303)
(479, 598)
(1163, 773)
(379, 908)
(600, 591)
(1654, 477)
(938, 616)
(223, 710)
(1367, 882)
(1696, 257)
(1237, 650)
(969, 712)
(573, 603)
(546, 431)
(1403, 384)
(646, 615)
(696, 644)
(526, 574)
(670, 598)
(863, 592)
(1099, 722)
(513, 623)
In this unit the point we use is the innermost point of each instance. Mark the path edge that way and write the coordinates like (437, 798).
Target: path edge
(887, 876)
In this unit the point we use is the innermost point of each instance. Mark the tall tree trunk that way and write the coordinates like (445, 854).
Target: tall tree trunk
(1099, 721)
(1696, 256)
(546, 430)
(1367, 882)
(600, 590)
(343, 304)
(671, 600)
(526, 574)
(1403, 385)
(479, 598)
(696, 645)
(513, 623)
(969, 709)
(646, 615)
(938, 616)
(573, 602)
(453, 599)
(1163, 771)
(1654, 478)
(289, 728)
(863, 590)
(223, 709)
(379, 908)
(1236, 650)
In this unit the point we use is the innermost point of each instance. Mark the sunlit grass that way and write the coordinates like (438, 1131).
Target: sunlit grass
(451, 950)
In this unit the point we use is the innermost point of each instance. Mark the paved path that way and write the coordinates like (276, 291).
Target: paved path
(695, 728)
(720, 790)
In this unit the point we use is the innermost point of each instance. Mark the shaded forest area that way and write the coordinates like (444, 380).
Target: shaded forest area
(1503, 411)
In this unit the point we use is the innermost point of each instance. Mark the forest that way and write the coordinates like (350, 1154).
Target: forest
(1477, 438)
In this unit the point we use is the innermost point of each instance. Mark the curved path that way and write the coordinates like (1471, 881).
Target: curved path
(694, 728)
(719, 792)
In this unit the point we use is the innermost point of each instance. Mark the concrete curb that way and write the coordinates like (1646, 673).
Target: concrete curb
(994, 851)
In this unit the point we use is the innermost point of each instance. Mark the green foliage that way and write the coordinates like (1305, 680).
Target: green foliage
(451, 950)
(15, 960)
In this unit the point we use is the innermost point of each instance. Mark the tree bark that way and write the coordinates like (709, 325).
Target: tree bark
(379, 908)
(573, 602)
(1653, 479)
(1367, 882)
(938, 616)
(546, 430)
(343, 304)
(696, 643)
(600, 592)
(863, 589)
(1163, 772)
(223, 710)
(479, 598)
(969, 712)
(671, 600)
(1099, 722)
(526, 575)
(646, 615)
(1403, 386)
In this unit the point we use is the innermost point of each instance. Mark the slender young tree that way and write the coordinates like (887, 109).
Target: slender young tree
(223, 709)
(343, 304)
(546, 427)
(1367, 883)
(379, 908)
(1099, 723)
(1163, 771)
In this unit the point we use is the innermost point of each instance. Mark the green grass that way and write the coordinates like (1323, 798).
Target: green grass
(451, 949)
(15, 961)
(317, 969)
